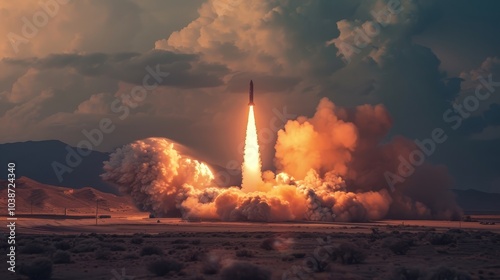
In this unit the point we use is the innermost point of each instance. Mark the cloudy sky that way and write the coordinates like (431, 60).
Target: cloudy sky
(66, 65)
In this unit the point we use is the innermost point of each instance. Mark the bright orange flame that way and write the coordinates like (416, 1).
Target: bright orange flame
(252, 177)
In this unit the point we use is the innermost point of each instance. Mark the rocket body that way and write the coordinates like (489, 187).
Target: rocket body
(250, 103)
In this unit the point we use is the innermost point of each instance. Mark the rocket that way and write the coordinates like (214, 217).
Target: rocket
(250, 103)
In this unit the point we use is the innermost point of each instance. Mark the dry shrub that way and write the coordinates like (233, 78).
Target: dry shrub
(39, 269)
(114, 247)
(400, 246)
(196, 242)
(136, 240)
(161, 267)
(349, 253)
(445, 273)
(245, 271)
(33, 248)
(102, 254)
(244, 253)
(61, 257)
(85, 246)
(268, 244)
(211, 264)
(62, 245)
(151, 250)
(442, 239)
(405, 273)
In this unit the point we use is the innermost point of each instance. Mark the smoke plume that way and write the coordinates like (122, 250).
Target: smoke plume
(350, 144)
(331, 168)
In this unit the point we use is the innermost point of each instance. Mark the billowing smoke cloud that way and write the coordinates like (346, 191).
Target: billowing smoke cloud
(350, 144)
(331, 169)
(155, 174)
(324, 142)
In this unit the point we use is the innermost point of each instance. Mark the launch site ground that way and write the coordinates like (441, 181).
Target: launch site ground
(117, 248)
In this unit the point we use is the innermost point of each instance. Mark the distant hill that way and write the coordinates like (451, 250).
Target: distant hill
(34, 160)
(473, 201)
(46, 199)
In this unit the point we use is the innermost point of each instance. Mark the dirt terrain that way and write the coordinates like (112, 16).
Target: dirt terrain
(145, 248)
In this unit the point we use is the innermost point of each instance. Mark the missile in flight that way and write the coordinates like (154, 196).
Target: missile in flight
(250, 103)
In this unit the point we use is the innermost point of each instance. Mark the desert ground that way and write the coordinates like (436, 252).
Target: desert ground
(137, 247)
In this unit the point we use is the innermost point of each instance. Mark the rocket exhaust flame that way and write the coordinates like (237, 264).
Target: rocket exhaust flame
(252, 164)
(251, 168)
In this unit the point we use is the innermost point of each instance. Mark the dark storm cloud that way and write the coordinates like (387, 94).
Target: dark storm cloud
(464, 34)
(473, 125)
(186, 70)
(477, 124)
(452, 88)
(492, 116)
